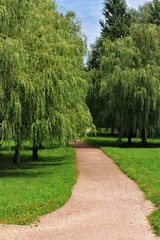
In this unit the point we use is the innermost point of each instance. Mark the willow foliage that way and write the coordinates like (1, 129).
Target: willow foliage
(130, 69)
(42, 91)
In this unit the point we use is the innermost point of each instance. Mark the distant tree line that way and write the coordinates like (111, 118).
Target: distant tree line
(42, 88)
(124, 70)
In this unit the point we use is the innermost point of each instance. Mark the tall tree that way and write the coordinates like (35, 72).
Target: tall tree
(130, 71)
(116, 21)
(94, 101)
(155, 12)
(149, 12)
(13, 78)
(115, 25)
(41, 54)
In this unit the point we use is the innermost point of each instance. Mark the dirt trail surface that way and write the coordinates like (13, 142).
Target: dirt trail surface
(105, 205)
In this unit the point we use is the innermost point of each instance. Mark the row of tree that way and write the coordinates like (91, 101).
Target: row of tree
(124, 70)
(42, 91)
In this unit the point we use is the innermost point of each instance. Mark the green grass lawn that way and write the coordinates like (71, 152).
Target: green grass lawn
(140, 164)
(32, 189)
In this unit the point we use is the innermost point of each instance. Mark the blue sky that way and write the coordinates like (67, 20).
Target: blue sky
(89, 13)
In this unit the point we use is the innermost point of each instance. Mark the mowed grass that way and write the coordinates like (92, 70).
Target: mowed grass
(32, 189)
(142, 164)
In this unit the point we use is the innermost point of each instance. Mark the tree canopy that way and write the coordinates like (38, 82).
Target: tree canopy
(127, 77)
(116, 21)
(42, 88)
(147, 13)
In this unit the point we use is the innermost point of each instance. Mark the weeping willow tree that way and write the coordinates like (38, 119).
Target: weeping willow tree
(94, 100)
(149, 75)
(41, 89)
(130, 68)
(147, 13)
(115, 25)
(62, 111)
(71, 88)
(13, 70)
(116, 64)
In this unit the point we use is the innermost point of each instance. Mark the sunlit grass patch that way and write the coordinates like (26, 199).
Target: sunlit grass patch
(32, 189)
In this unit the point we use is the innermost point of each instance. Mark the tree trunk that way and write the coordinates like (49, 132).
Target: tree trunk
(129, 139)
(16, 158)
(112, 131)
(99, 130)
(130, 134)
(144, 136)
(40, 146)
(119, 135)
(35, 153)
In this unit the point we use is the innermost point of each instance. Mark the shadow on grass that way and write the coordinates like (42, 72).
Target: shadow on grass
(110, 142)
(27, 167)
(11, 147)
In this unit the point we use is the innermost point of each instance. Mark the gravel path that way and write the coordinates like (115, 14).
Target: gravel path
(105, 205)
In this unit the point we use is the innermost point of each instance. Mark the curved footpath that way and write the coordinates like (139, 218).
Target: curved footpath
(105, 205)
